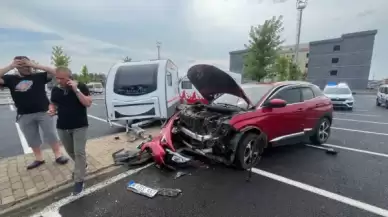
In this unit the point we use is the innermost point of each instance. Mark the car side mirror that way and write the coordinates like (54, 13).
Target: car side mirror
(242, 104)
(276, 103)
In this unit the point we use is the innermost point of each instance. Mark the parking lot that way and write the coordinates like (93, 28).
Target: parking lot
(289, 181)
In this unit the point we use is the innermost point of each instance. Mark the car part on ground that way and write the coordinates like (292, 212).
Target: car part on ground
(328, 150)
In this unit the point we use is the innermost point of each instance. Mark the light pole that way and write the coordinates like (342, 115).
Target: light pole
(300, 6)
(158, 44)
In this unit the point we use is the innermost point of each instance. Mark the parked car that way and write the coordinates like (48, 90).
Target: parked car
(340, 95)
(382, 96)
(95, 87)
(241, 121)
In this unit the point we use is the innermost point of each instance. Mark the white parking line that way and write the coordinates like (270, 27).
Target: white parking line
(361, 121)
(103, 120)
(53, 209)
(357, 150)
(341, 113)
(359, 131)
(324, 193)
(23, 141)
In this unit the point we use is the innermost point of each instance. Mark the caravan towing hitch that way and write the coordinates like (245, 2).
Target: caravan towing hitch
(135, 131)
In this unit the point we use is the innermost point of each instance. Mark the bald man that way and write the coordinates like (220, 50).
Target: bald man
(69, 100)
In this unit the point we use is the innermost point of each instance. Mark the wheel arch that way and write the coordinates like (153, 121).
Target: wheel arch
(253, 129)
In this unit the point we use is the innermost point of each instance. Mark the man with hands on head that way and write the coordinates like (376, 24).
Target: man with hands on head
(28, 91)
(69, 100)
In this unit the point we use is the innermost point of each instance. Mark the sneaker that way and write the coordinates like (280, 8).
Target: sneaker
(35, 164)
(62, 160)
(78, 188)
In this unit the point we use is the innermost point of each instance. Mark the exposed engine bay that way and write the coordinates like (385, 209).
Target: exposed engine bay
(206, 127)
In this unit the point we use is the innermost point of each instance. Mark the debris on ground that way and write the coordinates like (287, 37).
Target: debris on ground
(169, 192)
(141, 189)
(180, 174)
(130, 158)
(117, 138)
(328, 150)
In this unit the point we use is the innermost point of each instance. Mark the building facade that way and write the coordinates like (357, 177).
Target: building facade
(236, 58)
(345, 59)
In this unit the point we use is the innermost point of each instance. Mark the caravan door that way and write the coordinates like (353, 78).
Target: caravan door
(133, 90)
(172, 88)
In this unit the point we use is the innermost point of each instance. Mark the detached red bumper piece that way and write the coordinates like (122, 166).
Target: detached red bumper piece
(158, 145)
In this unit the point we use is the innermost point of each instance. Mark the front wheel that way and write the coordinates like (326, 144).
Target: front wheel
(377, 102)
(321, 132)
(250, 150)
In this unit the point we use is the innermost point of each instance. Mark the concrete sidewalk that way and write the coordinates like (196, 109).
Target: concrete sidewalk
(18, 184)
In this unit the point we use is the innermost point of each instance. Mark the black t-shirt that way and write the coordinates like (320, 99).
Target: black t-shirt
(28, 92)
(71, 113)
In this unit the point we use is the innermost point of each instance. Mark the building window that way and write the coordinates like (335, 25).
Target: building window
(336, 48)
(307, 55)
(307, 65)
(333, 72)
(292, 56)
(334, 60)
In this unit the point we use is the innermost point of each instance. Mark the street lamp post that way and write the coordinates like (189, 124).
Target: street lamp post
(158, 45)
(300, 6)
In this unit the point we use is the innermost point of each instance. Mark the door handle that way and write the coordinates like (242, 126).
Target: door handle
(300, 109)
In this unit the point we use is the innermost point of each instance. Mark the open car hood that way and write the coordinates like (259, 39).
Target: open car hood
(211, 82)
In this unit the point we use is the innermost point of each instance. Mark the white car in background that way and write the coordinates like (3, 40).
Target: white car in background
(341, 96)
(95, 87)
(382, 96)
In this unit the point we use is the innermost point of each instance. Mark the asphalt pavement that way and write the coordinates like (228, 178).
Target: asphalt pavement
(289, 181)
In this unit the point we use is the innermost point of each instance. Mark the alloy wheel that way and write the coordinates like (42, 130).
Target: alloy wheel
(324, 131)
(251, 153)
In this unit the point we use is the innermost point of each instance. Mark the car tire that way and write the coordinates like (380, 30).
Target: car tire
(250, 150)
(350, 109)
(377, 102)
(321, 132)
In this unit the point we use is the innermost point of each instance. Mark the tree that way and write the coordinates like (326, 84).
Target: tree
(263, 47)
(59, 58)
(281, 68)
(294, 72)
(127, 59)
(84, 77)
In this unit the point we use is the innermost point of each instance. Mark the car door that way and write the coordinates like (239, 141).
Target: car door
(287, 121)
(311, 108)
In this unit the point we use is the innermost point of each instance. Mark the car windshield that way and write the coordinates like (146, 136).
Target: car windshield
(336, 90)
(254, 93)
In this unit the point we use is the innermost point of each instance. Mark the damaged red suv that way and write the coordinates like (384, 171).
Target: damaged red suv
(239, 122)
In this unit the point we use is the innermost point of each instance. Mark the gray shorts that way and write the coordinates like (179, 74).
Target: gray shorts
(30, 125)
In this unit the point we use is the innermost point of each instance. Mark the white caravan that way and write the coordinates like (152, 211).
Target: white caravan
(144, 90)
(186, 89)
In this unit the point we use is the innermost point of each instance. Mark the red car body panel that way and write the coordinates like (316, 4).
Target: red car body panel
(158, 144)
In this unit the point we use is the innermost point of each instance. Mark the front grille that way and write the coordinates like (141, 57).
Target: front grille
(338, 100)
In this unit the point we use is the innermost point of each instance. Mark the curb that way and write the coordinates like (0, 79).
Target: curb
(16, 206)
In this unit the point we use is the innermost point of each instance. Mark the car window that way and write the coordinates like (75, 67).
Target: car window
(307, 93)
(289, 95)
(317, 91)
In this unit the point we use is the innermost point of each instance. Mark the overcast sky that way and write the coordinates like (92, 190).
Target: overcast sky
(99, 33)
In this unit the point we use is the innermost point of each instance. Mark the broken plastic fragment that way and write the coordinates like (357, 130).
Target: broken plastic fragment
(169, 192)
(177, 158)
(180, 174)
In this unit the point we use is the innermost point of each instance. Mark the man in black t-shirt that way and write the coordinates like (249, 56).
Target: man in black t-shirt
(70, 100)
(28, 91)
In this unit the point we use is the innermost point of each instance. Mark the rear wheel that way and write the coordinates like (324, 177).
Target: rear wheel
(321, 132)
(250, 150)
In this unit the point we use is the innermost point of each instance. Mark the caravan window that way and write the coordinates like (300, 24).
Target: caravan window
(169, 79)
(135, 80)
(187, 85)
